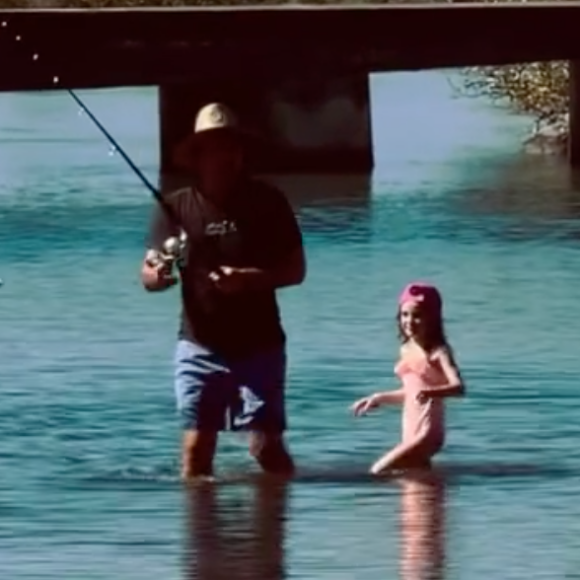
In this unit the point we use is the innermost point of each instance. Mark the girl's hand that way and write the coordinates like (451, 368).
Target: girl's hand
(422, 397)
(363, 406)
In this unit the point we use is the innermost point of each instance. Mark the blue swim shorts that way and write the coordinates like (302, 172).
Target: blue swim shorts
(216, 395)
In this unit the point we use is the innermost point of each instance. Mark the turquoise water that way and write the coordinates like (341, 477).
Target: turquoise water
(88, 486)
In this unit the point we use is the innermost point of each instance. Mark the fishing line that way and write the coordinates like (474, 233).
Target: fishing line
(115, 146)
(173, 248)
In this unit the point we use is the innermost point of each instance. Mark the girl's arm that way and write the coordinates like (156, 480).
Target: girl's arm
(389, 397)
(365, 404)
(455, 386)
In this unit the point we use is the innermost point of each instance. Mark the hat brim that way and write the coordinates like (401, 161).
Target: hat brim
(186, 150)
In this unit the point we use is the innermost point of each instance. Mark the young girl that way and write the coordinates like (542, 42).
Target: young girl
(428, 374)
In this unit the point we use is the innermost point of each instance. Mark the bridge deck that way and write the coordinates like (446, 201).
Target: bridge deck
(153, 46)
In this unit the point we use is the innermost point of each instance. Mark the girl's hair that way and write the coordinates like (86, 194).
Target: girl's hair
(434, 328)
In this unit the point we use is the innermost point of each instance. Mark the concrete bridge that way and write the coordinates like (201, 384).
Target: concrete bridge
(297, 73)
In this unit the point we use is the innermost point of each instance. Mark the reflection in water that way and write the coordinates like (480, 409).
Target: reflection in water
(330, 207)
(327, 204)
(236, 534)
(422, 527)
(525, 188)
(340, 191)
(303, 190)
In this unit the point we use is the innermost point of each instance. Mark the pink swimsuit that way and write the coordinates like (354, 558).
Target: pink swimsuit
(423, 423)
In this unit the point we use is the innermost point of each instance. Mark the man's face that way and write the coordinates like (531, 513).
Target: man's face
(218, 161)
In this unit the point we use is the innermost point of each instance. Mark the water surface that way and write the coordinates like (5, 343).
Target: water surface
(89, 435)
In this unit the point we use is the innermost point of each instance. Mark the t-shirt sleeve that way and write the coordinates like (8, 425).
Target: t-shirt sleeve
(161, 227)
(284, 232)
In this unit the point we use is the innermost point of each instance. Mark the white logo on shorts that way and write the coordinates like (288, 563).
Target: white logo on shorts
(251, 403)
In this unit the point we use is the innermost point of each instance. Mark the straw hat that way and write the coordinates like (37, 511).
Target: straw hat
(210, 119)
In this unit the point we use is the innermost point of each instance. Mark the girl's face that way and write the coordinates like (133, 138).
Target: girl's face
(412, 320)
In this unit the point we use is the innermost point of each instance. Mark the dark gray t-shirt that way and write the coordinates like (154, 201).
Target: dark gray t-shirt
(256, 228)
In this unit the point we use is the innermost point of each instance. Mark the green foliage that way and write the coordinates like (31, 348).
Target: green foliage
(540, 89)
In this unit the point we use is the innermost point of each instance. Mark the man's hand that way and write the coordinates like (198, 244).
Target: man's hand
(230, 280)
(233, 280)
(157, 277)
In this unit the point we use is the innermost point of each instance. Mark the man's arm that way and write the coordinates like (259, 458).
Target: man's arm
(287, 260)
(157, 277)
(291, 271)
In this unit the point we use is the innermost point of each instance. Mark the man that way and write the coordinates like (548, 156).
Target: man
(243, 243)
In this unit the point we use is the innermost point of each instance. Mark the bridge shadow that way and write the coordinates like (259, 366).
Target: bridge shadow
(236, 533)
(330, 206)
(320, 191)
(324, 203)
(302, 190)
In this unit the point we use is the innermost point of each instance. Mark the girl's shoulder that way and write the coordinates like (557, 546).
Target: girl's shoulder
(410, 348)
(403, 356)
(443, 351)
(411, 351)
(406, 350)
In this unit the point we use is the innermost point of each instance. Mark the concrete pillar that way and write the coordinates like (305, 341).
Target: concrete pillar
(574, 115)
(308, 125)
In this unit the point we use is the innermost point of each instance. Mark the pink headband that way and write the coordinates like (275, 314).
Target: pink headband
(421, 293)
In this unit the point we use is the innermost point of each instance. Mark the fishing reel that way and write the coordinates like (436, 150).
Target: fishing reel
(172, 252)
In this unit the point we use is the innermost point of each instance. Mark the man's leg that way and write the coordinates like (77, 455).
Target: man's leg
(271, 453)
(261, 381)
(197, 453)
(201, 389)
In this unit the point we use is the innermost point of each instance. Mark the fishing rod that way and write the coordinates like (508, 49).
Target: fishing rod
(173, 247)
